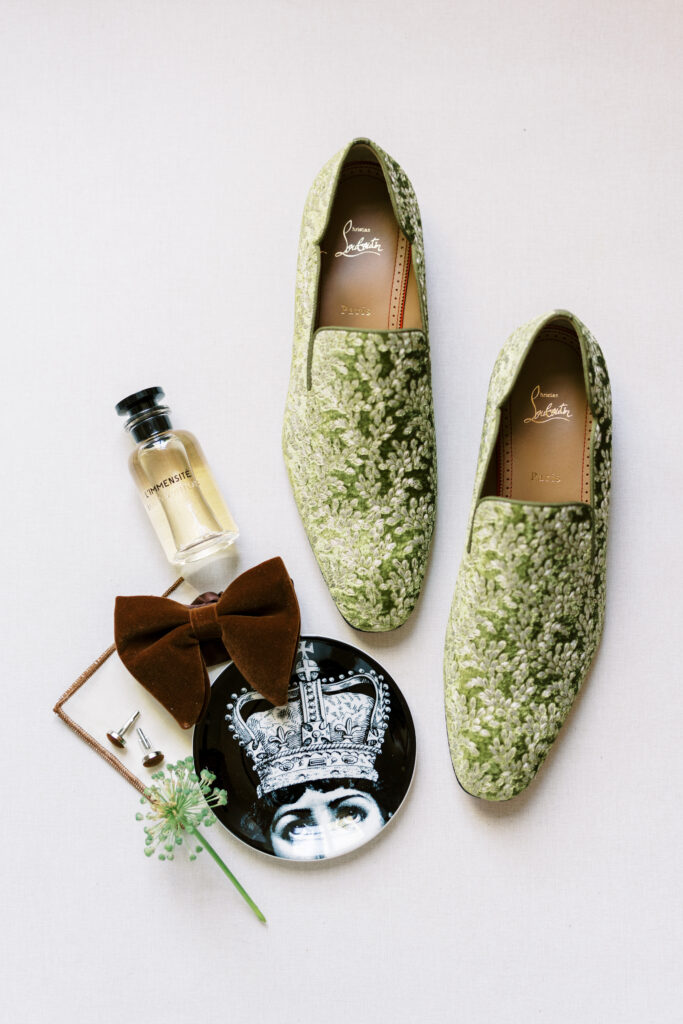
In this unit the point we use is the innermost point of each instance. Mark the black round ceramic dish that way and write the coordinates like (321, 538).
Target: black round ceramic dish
(321, 775)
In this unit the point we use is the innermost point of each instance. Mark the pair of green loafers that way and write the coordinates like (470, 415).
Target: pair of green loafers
(360, 448)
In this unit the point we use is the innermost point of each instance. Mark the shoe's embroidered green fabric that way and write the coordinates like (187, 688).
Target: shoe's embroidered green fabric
(528, 608)
(358, 436)
(360, 450)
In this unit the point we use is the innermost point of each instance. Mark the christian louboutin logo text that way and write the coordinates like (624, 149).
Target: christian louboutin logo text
(545, 409)
(355, 245)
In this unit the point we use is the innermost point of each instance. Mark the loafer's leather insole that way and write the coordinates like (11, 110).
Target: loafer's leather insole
(543, 451)
(367, 279)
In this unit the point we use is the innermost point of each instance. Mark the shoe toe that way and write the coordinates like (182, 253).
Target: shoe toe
(524, 626)
(375, 576)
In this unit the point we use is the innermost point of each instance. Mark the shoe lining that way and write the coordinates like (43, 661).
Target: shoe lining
(543, 444)
(367, 279)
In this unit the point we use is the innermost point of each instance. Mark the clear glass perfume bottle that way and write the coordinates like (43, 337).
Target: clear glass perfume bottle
(175, 483)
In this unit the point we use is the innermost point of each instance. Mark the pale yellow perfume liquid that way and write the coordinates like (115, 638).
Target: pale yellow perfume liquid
(181, 497)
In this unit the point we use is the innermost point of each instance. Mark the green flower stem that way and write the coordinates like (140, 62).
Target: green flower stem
(226, 870)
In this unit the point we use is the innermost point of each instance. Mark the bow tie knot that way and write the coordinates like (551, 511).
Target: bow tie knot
(204, 624)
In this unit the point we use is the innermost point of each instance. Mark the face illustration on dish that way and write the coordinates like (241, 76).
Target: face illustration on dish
(324, 824)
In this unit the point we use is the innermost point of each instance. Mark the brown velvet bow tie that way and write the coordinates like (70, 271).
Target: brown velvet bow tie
(167, 645)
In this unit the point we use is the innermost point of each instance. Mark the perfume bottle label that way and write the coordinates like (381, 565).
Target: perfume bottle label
(185, 477)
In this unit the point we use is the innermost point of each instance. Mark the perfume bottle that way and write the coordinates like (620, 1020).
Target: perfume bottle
(175, 483)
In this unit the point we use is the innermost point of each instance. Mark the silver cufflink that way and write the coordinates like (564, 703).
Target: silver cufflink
(149, 757)
(117, 737)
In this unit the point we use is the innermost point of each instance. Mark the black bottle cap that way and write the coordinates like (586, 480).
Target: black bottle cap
(146, 418)
(139, 401)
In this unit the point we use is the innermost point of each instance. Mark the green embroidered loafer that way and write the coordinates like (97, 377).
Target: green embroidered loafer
(529, 602)
(358, 436)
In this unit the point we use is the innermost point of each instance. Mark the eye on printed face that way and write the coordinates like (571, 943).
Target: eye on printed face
(322, 825)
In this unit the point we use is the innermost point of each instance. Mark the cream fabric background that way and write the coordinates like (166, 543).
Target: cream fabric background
(155, 161)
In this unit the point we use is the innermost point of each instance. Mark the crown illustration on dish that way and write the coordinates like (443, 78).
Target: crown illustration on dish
(330, 727)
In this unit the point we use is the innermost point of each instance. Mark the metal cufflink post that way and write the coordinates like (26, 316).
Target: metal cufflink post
(150, 757)
(117, 737)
